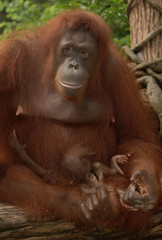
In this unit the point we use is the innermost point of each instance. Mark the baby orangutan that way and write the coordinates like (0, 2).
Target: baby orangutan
(75, 167)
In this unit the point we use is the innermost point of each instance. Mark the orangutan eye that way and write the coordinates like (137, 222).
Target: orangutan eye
(84, 53)
(68, 50)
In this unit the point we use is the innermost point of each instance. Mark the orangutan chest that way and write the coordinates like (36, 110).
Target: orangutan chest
(47, 143)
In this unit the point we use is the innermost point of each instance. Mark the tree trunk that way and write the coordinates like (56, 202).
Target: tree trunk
(145, 18)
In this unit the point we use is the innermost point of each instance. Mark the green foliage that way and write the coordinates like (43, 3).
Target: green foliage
(20, 14)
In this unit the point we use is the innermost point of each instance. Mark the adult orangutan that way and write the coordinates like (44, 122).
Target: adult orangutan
(72, 102)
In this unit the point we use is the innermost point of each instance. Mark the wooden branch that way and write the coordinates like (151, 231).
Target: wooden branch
(153, 74)
(13, 227)
(154, 93)
(149, 37)
(143, 81)
(133, 57)
(153, 90)
(140, 74)
(131, 54)
(147, 64)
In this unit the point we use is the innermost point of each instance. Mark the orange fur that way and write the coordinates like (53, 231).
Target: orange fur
(26, 75)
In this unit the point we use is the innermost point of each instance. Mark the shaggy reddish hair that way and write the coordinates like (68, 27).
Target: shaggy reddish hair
(27, 74)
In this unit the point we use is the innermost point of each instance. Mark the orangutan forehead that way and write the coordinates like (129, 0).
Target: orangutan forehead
(79, 35)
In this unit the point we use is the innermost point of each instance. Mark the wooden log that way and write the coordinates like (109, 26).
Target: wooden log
(15, 224)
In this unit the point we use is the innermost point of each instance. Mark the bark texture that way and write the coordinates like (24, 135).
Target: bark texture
(144, 19)
(15, 224)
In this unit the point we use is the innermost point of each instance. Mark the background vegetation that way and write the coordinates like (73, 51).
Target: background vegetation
(20, 14)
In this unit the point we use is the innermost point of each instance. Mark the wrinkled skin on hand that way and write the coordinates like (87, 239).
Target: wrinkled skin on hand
(141, 194)
(100, 200)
